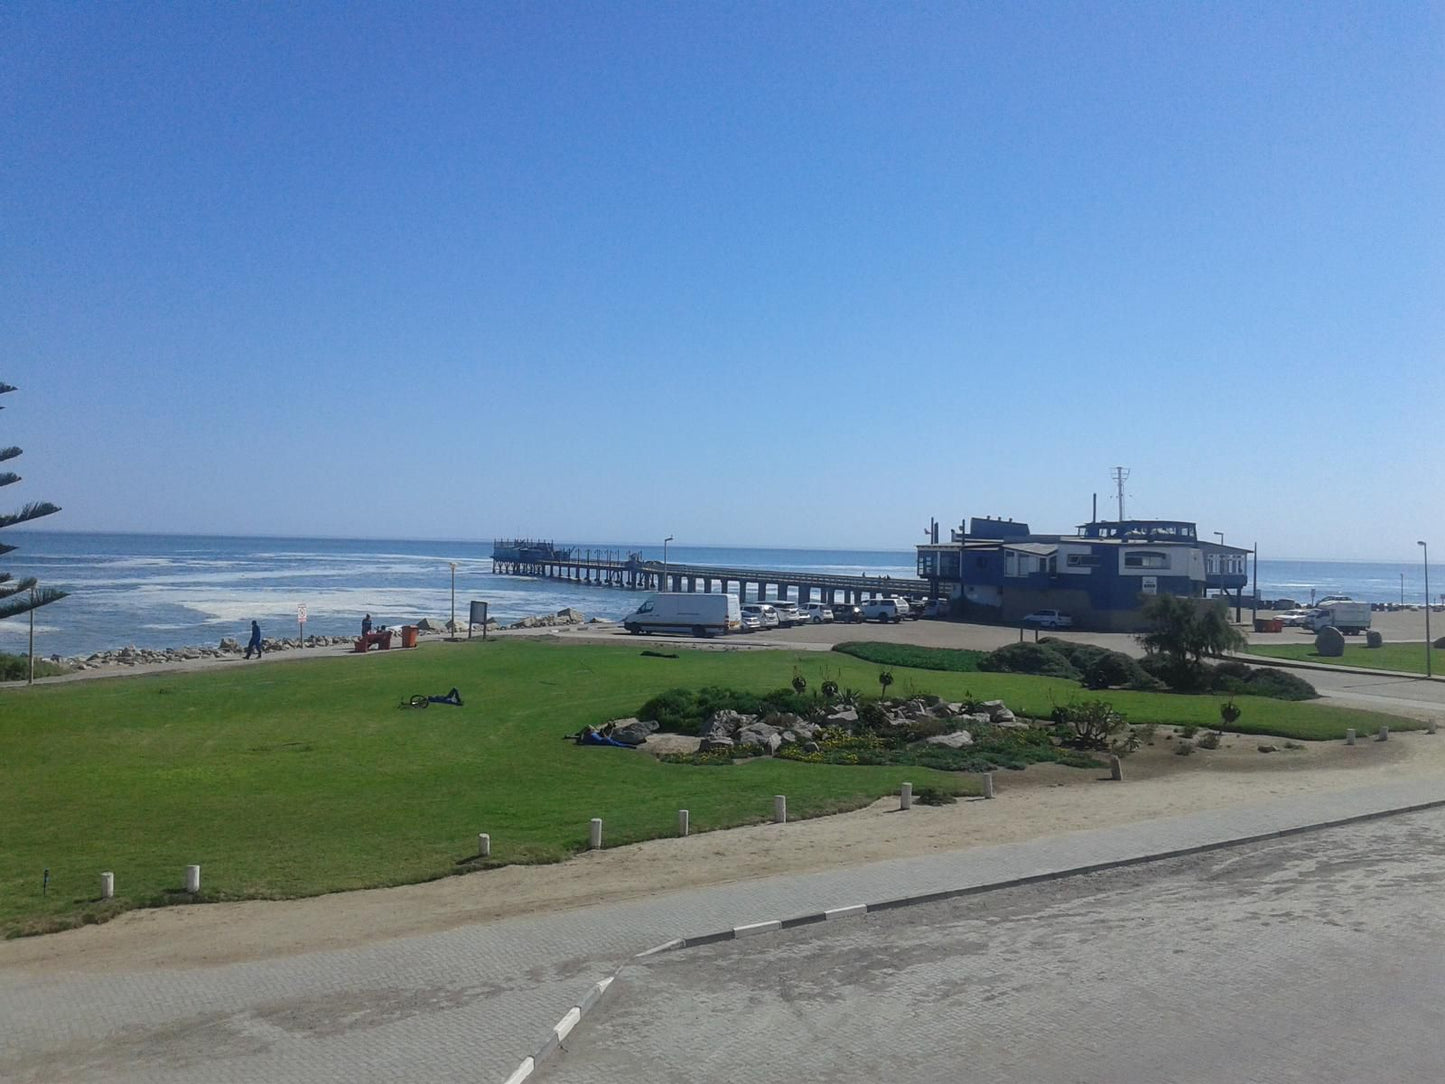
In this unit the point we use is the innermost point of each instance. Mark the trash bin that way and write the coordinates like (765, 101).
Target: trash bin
(408, 636)
(1261, 625)
(1275, 625)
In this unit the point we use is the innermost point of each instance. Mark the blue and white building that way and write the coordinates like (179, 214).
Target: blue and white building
(1100, 575)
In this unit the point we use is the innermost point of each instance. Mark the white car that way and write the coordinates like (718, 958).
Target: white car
(764, 613)
(789, 614)
(1293, 618)
(818, 613)
(884, 610)
(750, 622)
(1049, 619)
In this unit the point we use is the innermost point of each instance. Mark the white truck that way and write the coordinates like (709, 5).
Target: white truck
(698, 613)
(1348, 617)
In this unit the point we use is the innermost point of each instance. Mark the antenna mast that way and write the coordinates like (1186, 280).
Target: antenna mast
(1121, 475)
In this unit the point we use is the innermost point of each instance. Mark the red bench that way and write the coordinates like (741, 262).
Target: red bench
(376, 639)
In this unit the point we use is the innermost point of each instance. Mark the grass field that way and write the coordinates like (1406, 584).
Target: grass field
(300, 777)
(1406, 658)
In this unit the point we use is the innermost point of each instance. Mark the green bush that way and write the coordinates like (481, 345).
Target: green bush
(1279, 685)
(17, 667)
(1112, 669)
(1040, 659)
(918, 658)
(1089, 724)
(934, 796)
(683, 711)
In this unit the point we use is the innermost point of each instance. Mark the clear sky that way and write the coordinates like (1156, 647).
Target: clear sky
(790, 274)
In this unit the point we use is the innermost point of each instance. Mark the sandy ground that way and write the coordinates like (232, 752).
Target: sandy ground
(1044, 800)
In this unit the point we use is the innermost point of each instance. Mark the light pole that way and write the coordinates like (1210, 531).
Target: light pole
(668, 539)
(1402, 589)
(1427, 607)
(454, 598)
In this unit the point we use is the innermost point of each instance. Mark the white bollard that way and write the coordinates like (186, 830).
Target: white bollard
(594, 837)
(1116, 769)
(107, 886)
(988, 784)
(484, 845)
(780, 808)
(682, 822)
(905, 796)
(1384, 734)
(193, 879)
(1350, 736)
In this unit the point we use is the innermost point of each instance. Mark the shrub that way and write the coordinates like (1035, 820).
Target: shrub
(1090, 724)
(1229, 711)
(933, 796)
(1279, 685)
(918, 658)
(872, 716)
(1147, 732)
(1040, 659)
(1209, 740)
(1188, 732)
(673, 710)
(1184, 748)
(17, 667)
(1112, 668)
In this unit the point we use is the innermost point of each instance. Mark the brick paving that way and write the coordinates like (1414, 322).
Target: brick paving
(469, 1004)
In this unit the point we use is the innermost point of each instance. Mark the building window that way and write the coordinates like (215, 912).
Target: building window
(1083, 560)
(1146, 559)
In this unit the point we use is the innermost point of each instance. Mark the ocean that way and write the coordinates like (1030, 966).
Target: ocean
(159, 591)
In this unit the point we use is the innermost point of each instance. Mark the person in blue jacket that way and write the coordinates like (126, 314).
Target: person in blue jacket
(255, 642)
(366, 625)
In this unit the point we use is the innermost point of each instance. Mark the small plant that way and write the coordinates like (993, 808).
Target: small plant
(885, 679)
(1092, 724)
(1184, 748)
(830, 690)
(1147, 732)
(1209, 740)
(1229, 711)
(1189, 731)
(933, 796)
(800, 683)
(872, 716)
(1127, 742)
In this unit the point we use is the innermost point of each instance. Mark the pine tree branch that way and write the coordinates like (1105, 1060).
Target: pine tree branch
(8, 453)
(8, 477)
(14, 587)
(25, 603)
(34, 510)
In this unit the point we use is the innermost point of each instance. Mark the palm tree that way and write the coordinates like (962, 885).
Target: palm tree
(21, 596)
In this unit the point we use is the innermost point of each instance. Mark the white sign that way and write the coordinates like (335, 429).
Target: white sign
(301, 614)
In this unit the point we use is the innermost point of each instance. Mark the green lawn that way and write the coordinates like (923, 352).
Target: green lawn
(300, 777)
(1407, 658)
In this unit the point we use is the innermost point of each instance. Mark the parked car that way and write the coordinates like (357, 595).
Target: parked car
(937, 607)
(750, 621)
(765, 613)
(1330, 600)
(789, 614)
(916, 606)
(847, 613)
(884, 610)
(1293, 618)
(818, 613)
(1049, 619)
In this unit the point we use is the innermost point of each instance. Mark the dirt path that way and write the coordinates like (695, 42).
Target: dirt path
(1045, 800)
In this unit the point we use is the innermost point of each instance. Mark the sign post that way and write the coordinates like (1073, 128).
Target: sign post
(478, 616)
(301, 625)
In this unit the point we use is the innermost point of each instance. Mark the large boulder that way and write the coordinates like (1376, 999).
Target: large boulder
(843, 717)
(1374, 639)
(1329, 643)
(757, 733)
(708, 744)
(632, 731)
(426, 624)
(569, 616)
(957, 740)
(725, 723)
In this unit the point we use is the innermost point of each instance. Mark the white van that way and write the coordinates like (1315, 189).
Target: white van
(884, 610)
(764, 613)
(699, 613)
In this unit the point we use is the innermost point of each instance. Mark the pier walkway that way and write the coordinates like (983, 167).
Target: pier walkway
(512, 557)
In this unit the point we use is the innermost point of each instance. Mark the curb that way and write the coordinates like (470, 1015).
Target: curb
(1330, 668)
(573, 1016)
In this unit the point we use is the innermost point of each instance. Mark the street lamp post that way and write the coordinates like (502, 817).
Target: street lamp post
(1402, 589)
(1427, 607)
(665, 541)
(454, 598)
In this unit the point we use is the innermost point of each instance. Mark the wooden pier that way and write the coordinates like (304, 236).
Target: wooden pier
(612, 568)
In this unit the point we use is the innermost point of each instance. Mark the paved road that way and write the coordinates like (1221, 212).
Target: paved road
(1316, 958)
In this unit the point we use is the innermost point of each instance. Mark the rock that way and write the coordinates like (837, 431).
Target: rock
(804, 729)
(772, 743)
(633, 731)
(709, 743)
(810, 747)
(228, 644)
(1329, 642)
(725, 723)
(1268, 749)
(426, 624)
(569, 616)
(957, 740)
(790, 737)
(1002, 717)
(843, 716)
(1374, 639)
(757, 733)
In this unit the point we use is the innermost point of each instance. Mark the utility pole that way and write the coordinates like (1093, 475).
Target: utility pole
(1121, 475)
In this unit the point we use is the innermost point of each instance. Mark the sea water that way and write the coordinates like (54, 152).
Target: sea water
(158, 591)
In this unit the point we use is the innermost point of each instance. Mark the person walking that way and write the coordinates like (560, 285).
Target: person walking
(255, 642)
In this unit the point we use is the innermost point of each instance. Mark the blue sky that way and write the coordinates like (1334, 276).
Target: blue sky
(802, 274)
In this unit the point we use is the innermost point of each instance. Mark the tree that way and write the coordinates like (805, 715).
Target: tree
(1184, 633)
(21, 596)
